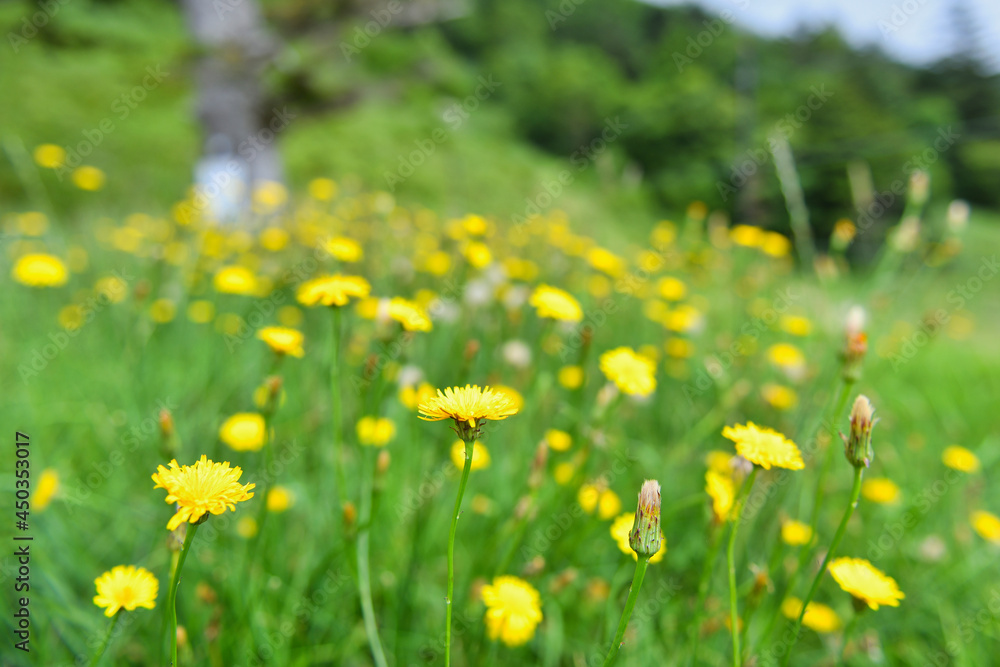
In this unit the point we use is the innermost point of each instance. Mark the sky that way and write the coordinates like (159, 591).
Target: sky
(914, 31)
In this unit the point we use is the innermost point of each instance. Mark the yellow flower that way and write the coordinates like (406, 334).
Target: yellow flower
(322, 189)
(513, 394)
(71, 317)
(779, 396)
(411, 396)
(290, 316)
(126, 587)
(274, 239)
(764, 447)
(819, 617)
(162, 311)
(112, 288)
(335, 290)
(268, 196)
(35, 223)
(987, 525)
(775, 244)
(375, 431)
(555, 303)
(40, 270)
(88, 178)
(866, 582)
(206, 487)
(559, 441)
(587, 496)
(880, 490)
(720, 488)
(961, 459)
(409, 314)
(606, 261)
(345, 249)
(634, 374)
(246, 527)
(478, 254)
(48, 487)
(467, 405)
(795, 533)
(563, 473)
(235, 280)
(243, 432)
(571, 377)
(608, 505)
(513, 610)
(684, 318)
(480, 456)
(282, 340)
(279, 499)
(679, 348)
(796, 325)
(747, 235)
(786, 355)
(622, 526)
(50, 156)
(437, 263)
(201, 311)
(672, 289)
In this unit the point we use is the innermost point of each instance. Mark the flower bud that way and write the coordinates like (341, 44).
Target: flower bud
(644, 537)
(853, 354)
(350, 514)
(858, 446)
(166, 423)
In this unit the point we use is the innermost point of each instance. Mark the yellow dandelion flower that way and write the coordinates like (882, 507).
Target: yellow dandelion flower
(112, 288)
(775, 244)
(818, 617)
(437, 263)
(244, 432)
(608, 505)
(467, 405)
(199, 489)
(679, 348)
(162, 311)
(796, 325)
(410, 314)
(480, 456)
(779, 396)
(246, 527)
(513, 610)
(563, 473)
(126, 587)
(786, 355)
(345, 249)
(960, 458)
(880, 490)
(633, 373)
(764, 447)
(866, 582)
(71, 317)
(684, 318)
(88, 178)
(795, 533)
(987, 525)
(335, 290)
(475, 225)
(747, 235)
(620, 529)
(598, 286)
(513, 394)
(40, 270)
(46, 490)
(50, 156)
(672, 289)
(587, 497)
(571, 377)
(411, 396)
(558, 441)
(478, 254)
(555, 303)
(606, 261)
(274, 239)
(283, 341)
(235, 280)
(322, 189)
(201, 311)
(375, 431)
(720, 462)
(279, 499)
(268, 196)
(722, 491)
(290, 316)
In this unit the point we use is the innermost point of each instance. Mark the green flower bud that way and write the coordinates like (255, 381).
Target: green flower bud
(644, 538)
(858, 446)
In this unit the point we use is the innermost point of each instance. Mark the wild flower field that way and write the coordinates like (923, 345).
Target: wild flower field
(281, 386)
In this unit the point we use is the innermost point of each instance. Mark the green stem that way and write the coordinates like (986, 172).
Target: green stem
(706, 577)
(107, 637)
(336, 408)
(848, 631)
(633, 594)
(364, 578)
(855, 492)
(451, 549)
(174, 557)
(734, 615)
(172, 601)
(845, 392)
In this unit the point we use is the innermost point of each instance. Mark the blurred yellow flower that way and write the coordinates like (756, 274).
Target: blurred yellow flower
(268, 196)
(412, 396)
(722, 491)
(345, 249)
(818, 617)
(987, 525)
(558, 441)
(246, 527)
(961, 459)
(679, 348)
(71, 317)
(786, 355)
(720, 462)
(516, 399)
(672, 289)
(88, 178)
(622, 526)
(684, 318)
(112, 288)
(746, 235)
(235, 280)
(33, 223)
(49, 156)
(244, 432)
(764, 447)
(162, 311)
(555, 303)
(322, 189)
(410, 314)
(880, 490)
(606, 261)
(795, 534)
(633, 373)
(571, 377)
(201, 311)
(279, 499)
(865, 582)
(437, 263)
(126, 587)
(283, 341)
(480, 456)
(40, 270)
(46, 490)
(513, 610)
(290, 316)
(203, 488)
(274, 239)
(796, 325)
(779, 396)
(478, 254)
(375, 431)
(776, 245)
(563, 473)
(335, 290)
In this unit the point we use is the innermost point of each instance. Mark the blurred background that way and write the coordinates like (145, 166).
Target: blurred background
(618, 112)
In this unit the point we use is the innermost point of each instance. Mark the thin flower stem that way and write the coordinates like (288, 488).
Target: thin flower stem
(633, 594)
(706, 576)
(848, 631)
(364, 578)
(172, 601)
(469, 446)
(734, 614)
(174, 557)
(336, 408)
(107, 637)
(845, 392)
(855, 492)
